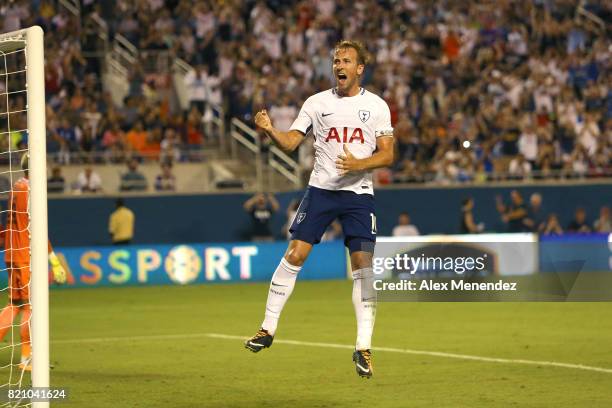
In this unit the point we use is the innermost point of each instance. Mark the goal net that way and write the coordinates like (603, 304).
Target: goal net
(24, 347)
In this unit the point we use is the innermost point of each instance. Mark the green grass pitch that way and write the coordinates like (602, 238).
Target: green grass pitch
(147, 347)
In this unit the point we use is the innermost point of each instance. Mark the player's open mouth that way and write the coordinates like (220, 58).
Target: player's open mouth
(341, 78)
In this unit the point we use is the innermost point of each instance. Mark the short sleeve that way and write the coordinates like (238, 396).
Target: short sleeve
(383, 123)
(303, 122)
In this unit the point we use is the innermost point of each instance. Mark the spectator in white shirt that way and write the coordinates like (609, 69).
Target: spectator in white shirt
(295, 41)
(519, 167)
(283, 114)
(404, 228)
(195, 81)
(316, 37)
(528, 144)
(13, 15)
(271, 40)
(543, 98)
(325, 8)
(88, 181)
(205, 20)
(588, 133)
(578, 161)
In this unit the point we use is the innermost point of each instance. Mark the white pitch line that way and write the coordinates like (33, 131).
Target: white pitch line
(132, 338)
(340, 346)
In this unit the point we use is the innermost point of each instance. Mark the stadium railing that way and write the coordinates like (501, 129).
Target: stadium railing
(285, 165)
(121, 56)
(264, 153)
(92, 22)
(214, 126)
(72, 6)
(596, 23)
(214, 116)
(247, 138)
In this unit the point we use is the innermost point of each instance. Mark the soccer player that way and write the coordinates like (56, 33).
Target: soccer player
(17, 259)
(353, 136)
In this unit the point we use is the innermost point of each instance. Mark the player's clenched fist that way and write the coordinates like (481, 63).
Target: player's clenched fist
(263, 120)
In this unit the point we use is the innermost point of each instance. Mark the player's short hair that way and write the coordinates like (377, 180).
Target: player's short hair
(363, 56)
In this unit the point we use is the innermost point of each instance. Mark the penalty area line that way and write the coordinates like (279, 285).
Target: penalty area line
(441, 354)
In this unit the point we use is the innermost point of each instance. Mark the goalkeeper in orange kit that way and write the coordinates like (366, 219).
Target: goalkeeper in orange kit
(17, 259)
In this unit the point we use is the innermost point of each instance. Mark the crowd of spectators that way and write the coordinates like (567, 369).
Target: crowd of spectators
(527, 84)
(83, 123)
(519, 215)
(477, 90)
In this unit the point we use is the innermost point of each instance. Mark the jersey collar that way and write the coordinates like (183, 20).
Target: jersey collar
(361, 92)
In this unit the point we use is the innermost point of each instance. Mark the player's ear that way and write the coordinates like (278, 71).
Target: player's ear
(360, 69)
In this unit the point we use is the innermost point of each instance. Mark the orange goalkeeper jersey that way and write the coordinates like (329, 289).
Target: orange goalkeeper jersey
(17, 235)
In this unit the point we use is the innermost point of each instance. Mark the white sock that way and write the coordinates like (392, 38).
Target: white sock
(364, 301)
(281, 287)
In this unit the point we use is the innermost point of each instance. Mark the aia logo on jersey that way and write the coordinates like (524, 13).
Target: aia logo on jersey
(356, 135)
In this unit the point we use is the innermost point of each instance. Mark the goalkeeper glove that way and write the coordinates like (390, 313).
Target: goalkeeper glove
(59, 273)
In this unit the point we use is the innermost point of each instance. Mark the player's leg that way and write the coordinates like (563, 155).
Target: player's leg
(283, 281)
(26, 344)
(11, 310)
(364, 303)
(7, 315)
(359, 226)
(281, 287)
(314, 214)
(23, 288)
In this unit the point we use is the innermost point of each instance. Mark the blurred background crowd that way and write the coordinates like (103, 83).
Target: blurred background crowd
(498, 90)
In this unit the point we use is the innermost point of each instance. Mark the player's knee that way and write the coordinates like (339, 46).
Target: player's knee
(295, 257)
(361, 260)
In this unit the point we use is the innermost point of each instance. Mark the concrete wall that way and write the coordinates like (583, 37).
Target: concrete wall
(190, 177)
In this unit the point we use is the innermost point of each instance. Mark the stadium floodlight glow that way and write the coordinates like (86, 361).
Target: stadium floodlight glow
(22, 74)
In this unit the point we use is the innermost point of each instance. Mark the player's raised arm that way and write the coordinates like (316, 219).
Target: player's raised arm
(288, 141)
(382, 157)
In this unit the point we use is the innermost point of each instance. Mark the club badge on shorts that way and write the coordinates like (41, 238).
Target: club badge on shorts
(300, 217)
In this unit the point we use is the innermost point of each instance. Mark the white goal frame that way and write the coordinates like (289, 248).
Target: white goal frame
(39, 284)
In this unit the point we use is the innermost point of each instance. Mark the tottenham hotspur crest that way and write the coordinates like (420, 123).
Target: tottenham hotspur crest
(300, 217)
(364, 115)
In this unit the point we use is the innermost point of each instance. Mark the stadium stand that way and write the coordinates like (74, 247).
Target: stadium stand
(512, 79)
(502, 91)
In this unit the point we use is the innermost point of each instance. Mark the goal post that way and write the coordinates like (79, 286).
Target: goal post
(37, 147)
(22, 76)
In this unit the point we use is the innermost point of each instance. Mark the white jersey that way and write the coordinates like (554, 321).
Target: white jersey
(356, 121)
